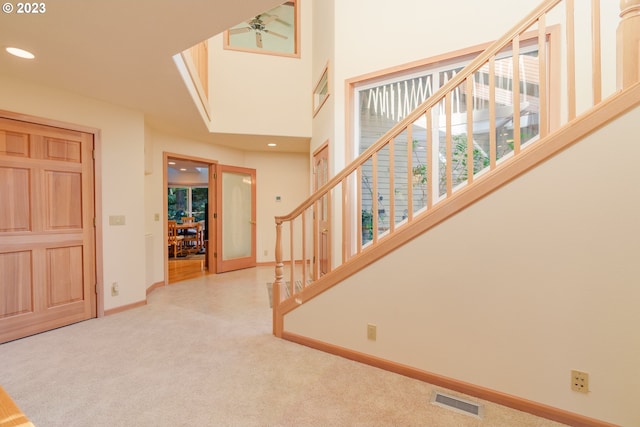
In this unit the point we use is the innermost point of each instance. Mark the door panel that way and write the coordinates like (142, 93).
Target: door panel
(18, 292)
(64, 208)
(47, 235)
(64, 276)
(57, 149)
(14, 144)
(15, 211)
(236, 225)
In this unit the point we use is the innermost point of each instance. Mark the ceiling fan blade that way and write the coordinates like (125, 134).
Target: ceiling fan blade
(276, 34)
(283, 22)
(269, 18)
(259, 40)
(239, 30)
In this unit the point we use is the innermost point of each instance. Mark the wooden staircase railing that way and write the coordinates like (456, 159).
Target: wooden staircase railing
(448, 166)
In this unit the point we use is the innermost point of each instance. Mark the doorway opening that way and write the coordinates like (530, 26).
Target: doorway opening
(189, 192)
(210, 223)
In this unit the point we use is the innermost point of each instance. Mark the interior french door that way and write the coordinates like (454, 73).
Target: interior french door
(47, 232)
(236, 222)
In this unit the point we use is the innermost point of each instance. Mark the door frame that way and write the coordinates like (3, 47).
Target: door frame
(211, 248)
(98, 298)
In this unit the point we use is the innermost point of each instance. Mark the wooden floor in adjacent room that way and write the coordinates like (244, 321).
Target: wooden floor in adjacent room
(186, 268)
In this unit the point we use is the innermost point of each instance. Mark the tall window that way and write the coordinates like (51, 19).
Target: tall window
(381, 104)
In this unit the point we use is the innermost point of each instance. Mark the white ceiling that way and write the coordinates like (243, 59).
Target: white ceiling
(120, 51)
(190, 165)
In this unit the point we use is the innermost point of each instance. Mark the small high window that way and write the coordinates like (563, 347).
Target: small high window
(275, 32)
(321, 91)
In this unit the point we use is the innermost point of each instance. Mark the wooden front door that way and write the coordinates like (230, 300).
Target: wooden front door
(47, 232)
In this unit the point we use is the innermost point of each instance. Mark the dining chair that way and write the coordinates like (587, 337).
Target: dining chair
(174, 239)
(193, 237)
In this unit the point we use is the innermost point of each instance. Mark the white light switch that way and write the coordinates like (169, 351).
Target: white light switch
(116, 220)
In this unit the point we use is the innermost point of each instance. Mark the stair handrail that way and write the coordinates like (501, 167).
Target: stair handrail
(477, 63)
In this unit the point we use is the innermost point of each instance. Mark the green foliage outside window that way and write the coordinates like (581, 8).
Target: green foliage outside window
(178, 202)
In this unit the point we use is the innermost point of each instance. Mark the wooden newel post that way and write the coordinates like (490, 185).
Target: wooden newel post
(628, 50)
(277, 284)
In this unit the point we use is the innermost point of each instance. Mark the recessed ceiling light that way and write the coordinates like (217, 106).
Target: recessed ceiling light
(183, 169)
(20, 53)
(172, 163)
(272, 144)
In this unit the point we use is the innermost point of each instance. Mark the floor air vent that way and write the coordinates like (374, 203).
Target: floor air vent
(457, 404)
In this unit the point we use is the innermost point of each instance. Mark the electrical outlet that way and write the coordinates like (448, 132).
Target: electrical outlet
(371, 332)
(580, 381)
(114, 289)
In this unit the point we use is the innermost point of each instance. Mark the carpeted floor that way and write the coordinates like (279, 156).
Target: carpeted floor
(201, 353)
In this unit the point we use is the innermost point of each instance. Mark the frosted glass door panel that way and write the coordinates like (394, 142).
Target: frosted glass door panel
(236, 211)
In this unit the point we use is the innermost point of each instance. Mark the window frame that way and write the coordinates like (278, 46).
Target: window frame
(320, 95)
(227, 42)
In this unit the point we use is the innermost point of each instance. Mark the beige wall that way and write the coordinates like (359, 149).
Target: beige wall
(284, 175)
(537, 279)
(262, 94)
